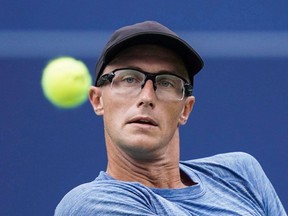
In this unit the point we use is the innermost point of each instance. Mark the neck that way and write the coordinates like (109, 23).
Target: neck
(151, 174)
(161, 172)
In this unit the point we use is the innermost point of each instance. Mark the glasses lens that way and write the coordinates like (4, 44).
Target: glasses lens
(169, 87)
(127, 82)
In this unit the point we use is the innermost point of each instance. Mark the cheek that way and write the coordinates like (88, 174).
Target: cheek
(111, 119)
(114, 110)
(172, 115)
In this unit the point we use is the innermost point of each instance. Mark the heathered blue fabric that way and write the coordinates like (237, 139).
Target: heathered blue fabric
(227, 184)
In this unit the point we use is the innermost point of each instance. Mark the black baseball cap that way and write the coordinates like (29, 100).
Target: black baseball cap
(149, 32)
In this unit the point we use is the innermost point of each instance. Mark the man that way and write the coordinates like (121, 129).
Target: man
(143, 90)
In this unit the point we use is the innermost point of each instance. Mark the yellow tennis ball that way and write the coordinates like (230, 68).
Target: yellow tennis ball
(65, 82)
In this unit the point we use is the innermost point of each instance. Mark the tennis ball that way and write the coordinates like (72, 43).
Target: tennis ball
(65, 82)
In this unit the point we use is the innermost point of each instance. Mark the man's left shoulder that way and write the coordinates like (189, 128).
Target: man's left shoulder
(232, 158)
(226, 158)
(239, 162)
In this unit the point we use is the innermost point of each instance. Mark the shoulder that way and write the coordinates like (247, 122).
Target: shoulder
(102, 198)
(229, 159)
(239, 170)
(227, 165)
(71, 203)
(242, 173)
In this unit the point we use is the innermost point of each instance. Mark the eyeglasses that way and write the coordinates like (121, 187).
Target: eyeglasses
(129, 83)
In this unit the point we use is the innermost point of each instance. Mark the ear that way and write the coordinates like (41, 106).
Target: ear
(187, 109)
(95, 97)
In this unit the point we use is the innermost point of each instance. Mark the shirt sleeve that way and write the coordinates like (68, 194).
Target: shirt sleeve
(251, 170)
(271, 202)
(106, 199)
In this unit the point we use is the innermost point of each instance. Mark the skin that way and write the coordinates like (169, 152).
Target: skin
(145, 153)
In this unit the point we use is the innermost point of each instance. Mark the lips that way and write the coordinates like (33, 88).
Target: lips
(143, 120)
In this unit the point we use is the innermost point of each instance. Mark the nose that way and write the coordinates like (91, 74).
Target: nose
(147, 95)
(152, 79)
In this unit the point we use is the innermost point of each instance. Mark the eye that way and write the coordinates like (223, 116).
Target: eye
(129, 79)
(165, 83)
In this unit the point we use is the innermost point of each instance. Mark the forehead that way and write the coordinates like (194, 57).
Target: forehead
(150, 58)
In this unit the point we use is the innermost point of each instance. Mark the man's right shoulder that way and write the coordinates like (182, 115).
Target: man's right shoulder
(97, 196)
(72, 202)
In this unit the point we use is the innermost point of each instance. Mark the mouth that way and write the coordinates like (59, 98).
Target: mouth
(143, 121)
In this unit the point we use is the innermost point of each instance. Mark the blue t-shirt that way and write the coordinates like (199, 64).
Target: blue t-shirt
(227, 184)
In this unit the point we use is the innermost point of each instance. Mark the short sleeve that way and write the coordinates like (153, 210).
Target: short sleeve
(256, 175)
(249, 168)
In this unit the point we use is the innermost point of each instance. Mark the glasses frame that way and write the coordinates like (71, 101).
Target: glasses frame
(102, 80)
